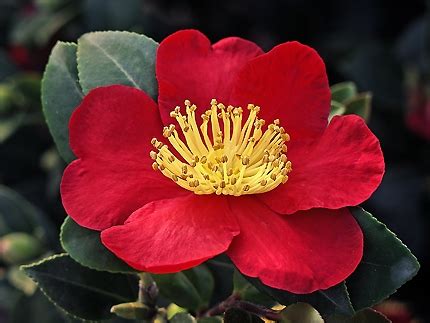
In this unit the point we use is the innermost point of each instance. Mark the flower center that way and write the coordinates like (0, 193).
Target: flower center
(228, 158)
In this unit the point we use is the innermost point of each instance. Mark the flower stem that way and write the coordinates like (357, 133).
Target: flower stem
(234, 301)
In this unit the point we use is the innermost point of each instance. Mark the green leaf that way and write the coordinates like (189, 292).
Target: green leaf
(212, 319)
(85, 247)
(327, 302)
(222, 270)
(364, 316)
(300, 313)
(248, 292)
(341, 92)
(191, 289)
(236, 315)
(386, 264)
(360, 105)
(61, 94)
(114, 57)
(79, 291)
(337, 109)
(183, 318)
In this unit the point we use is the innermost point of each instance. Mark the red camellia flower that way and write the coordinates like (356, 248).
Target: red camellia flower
(225, 181)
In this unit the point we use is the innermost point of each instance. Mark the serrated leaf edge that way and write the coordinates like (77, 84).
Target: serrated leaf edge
(402, 244)
(42, 97)
(24, 267)
(84, 89)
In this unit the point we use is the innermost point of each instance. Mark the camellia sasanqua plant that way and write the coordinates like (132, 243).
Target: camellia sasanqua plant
(211, 183)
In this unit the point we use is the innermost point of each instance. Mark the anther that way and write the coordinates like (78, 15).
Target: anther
(153, 155)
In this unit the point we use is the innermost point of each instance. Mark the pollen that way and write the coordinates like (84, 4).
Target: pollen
(226, 154)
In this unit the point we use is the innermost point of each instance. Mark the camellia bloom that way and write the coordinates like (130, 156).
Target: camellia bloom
(246, 164)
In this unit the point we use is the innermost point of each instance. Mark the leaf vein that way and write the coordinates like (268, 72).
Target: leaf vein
(117, 64)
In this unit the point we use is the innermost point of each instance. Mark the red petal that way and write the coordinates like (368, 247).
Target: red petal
(188, 67)
(300, 253)
(111, 132)
(172, 235)
(290, 84)
(343, 168)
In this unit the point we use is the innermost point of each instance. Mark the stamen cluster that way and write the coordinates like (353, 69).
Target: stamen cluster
(223, 156)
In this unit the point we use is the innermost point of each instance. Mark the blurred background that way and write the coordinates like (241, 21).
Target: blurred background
(382, 48)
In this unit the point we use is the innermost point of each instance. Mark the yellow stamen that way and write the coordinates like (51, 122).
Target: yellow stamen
(231, 159)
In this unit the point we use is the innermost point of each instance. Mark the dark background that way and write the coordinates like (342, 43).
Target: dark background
(382, 47)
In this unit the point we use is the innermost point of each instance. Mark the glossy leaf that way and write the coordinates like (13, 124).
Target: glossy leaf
(114, 57)
(300, 313)
(80, 291)
(191, 289)
(341, 92)
(222, 270)
(236, 315)
(85, 247)
(364, 316)
(386, 265)
(61, 94)
(326, 302)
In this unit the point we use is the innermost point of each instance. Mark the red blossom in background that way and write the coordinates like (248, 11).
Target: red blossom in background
(299, 237)
(418, 111)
